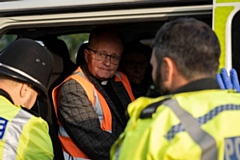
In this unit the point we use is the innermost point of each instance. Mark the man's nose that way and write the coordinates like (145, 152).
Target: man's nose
(138, 67)
(107, 60)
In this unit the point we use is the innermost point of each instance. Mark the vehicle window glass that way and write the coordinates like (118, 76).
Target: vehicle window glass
(5, 40)
(73, 42)
(236, 42)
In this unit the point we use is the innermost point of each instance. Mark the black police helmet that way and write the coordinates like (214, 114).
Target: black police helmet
(27, 61)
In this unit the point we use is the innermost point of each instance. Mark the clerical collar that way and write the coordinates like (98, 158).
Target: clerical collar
(104, 83)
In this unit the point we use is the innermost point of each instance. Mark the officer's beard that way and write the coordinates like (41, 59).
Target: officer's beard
(158, 83)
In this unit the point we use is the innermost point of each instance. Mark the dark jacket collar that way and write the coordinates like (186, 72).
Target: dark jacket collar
(198, 85)
(6, 95)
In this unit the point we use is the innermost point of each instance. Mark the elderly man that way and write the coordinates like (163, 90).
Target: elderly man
(90, 104)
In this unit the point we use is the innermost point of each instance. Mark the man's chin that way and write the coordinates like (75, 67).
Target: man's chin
(136, 79)
(161, 90)
(104, 77)
(136, 82)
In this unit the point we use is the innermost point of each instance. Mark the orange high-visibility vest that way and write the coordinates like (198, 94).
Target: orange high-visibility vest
(97, 101)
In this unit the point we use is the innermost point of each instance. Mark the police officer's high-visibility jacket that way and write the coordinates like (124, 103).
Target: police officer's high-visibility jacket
(23, 136)
(98, 102)
(186, 126)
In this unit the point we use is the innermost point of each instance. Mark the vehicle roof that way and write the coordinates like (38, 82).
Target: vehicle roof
(136, 19)
(19, 7)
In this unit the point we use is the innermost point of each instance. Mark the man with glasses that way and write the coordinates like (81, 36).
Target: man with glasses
(90, 104)
(135, 64)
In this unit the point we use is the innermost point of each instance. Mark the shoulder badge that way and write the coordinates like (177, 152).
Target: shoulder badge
(149, 110)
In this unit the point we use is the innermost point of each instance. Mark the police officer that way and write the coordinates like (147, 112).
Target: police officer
(194, 118)
(25, 67)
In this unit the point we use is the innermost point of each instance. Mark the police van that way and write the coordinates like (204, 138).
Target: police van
(72, 21)
(226, 18)
(226, 23)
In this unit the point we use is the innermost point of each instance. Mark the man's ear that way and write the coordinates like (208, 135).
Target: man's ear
(168, 69)
(23, 89)
(86, 55)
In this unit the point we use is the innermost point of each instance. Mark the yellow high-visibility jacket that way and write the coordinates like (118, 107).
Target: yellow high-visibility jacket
(186, 126)
(23, 136)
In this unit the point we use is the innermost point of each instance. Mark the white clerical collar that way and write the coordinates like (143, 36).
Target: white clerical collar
(104, 83)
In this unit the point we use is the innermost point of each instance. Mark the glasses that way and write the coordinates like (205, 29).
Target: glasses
(134, 64)
(100, 56)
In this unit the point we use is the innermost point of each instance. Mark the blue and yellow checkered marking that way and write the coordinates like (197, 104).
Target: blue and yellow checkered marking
(201, 120)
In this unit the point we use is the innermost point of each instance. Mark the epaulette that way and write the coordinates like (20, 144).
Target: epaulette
(149, 110)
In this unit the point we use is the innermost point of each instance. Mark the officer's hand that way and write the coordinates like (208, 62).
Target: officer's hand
(226, 82)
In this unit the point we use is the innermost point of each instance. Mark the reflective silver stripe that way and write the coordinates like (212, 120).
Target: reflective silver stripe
(80, 74)
(14, 131)
(62, 132)
(118, 75)
(23, 74)
(97, 105)
(202, 138)
(117, 152)
(69, 157)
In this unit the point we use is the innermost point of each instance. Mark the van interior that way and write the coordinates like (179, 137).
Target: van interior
(63, 38)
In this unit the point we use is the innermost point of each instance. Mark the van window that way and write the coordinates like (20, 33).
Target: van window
(73, 42)
(6, 40)
(236, 42)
